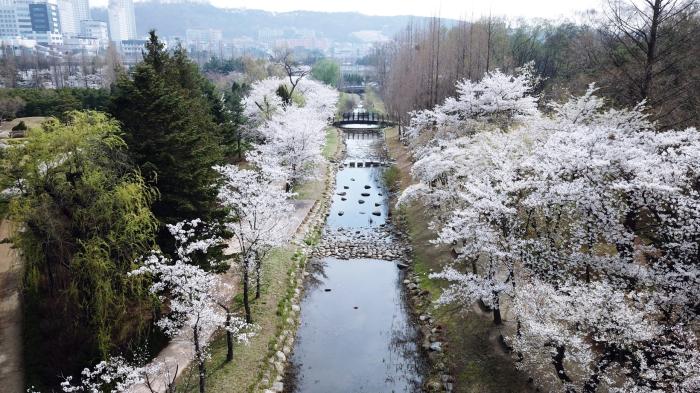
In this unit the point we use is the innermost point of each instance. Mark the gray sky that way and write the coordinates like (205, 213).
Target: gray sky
(446, 8)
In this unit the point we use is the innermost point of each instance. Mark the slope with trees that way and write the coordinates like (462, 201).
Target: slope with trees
(579, 229)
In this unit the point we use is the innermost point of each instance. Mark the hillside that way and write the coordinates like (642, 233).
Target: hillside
(174, 19)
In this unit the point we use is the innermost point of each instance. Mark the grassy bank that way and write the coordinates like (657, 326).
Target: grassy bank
(474, 355)
(269, 312)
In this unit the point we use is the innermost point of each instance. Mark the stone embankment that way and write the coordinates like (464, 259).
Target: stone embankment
(385, 243)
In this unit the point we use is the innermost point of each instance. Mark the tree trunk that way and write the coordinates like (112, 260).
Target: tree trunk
(258, 268)
(496, 311)
(497, 316)
(558, 362)
(651, 49)
(229, 338)
(246, 301)
(200, 361)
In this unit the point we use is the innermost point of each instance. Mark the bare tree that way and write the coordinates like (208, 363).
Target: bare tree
(647, 43)
(295, 73)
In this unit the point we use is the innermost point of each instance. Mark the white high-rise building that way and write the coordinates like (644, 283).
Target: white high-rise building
(122, 21)
(81, 10)
(70, 26)
(9, 28)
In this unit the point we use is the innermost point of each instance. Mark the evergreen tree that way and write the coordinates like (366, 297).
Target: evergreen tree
(234, 121)
(168, 121)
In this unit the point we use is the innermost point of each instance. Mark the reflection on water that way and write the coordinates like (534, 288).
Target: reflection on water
(355, 333)
(357, 336)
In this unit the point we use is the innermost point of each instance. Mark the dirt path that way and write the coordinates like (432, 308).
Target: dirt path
(11, 377)
(174, 359)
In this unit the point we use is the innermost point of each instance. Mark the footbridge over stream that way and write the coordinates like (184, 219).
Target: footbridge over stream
(362, 120)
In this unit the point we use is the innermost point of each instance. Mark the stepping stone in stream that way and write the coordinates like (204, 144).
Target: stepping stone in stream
(346, 187)
(341, 213)
(361, 201)
(376, 213)
(377, 204)
(365, 194)
(342, 193)
(343, 199)
(352, 179)
(368, 187)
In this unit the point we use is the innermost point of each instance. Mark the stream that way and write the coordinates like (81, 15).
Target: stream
(356, 332)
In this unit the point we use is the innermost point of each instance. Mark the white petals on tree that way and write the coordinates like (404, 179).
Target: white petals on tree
(291, 136)
(585, 220)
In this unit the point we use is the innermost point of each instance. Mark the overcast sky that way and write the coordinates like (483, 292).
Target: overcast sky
(446, 8)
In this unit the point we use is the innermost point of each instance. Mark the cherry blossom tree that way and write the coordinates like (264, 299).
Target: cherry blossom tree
(260, 213)
(586, 220)
(293, 142)
(114, 375)
(292, 136)
(191, 295)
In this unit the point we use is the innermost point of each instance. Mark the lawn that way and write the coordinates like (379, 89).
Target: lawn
(244, 371)
(31, 122)
(312, 189)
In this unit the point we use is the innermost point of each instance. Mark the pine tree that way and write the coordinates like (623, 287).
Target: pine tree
(172, 137)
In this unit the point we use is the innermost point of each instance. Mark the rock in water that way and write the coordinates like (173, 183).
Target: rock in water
(368, 187)
(376, 213)
(361, 201)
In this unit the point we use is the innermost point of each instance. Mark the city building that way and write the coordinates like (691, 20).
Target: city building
(66, 13)
(132, 51)
(32, 20)
(122, 21)
(81, 11)
(95, 29)
(39, 20)
(9, 29)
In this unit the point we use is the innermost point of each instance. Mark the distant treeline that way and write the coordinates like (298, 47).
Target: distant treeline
(633, 54)
(56, 102)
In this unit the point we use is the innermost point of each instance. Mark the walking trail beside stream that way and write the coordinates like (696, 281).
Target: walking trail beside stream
(178, 355)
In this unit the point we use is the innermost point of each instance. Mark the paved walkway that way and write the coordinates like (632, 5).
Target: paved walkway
(11, 378)
(177, 356)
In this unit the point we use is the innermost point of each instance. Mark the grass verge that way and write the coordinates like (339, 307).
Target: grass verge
(473, 355)
(312, 189)
(270, 312)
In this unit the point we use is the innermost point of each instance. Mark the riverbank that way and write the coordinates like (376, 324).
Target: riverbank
(253, 367)
(472, 350)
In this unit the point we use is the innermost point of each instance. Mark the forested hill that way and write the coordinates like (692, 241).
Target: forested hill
(174, 19)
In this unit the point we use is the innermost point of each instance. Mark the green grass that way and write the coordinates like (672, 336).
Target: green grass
(373, 102)
(392, 177)
(312, 189)
(330, 149)
(473, 355)
(245, 370)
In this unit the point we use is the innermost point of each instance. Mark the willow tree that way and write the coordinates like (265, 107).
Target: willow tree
(85, 217)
